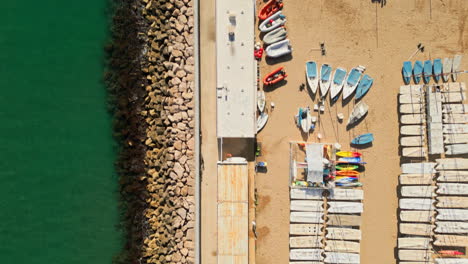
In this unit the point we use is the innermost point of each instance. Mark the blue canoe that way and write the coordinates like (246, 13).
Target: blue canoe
(407, 71)
(427, 71)
(437, 69)
(417, 71)
(312, 75)
(347, 180)
(363, 139)
(351, 160)
(364, 85)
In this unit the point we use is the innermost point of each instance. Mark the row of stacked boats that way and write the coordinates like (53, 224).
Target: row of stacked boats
(337, 81)
(435, 69)
(273, 27)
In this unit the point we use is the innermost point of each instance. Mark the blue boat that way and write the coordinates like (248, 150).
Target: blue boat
(354, 184)
(363, 139)
(337, 84)
(312, 76)
(407, 71)
(417, 71)
(346, 180)
(427, 71)
(351, 160)
(437, 69)
(325, 79)
(364, 85)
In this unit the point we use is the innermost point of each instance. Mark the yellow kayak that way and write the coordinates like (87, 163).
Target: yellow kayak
(348, 154)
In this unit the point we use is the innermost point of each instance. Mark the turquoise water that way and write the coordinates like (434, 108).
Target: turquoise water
(58, 189)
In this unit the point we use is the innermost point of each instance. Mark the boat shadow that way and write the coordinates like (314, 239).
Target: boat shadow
(285, 58)
(351, 126)
(349, 99)
(362, 146)
(309, 90)
(272, 87)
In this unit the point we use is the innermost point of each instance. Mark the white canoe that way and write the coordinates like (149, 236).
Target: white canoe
(306, 206)
(414, 141)
(451, 241)
(419, 168)
(453, 87)
(418, 191)
(451, 227)
(452, 188)
(455, 108)
(457, 97)
(343, 233)
(414, 255)
(456, 66)
(453, 176)
(412, 108)
(342, 258)
(451, 261)
(416, 179)
(342, 246)
(261, 100)
(452, 214)
(305, 242)
(414, 152)
(278, 20)
(419, 229)
(279, 49)
(412, 130)
(306, 217)
(416, 204)
(414, 242)
(306, 254)
(411, 99)
(416, 216)
(455, 128)
(447, 69)
(456, 149)
(412, 119)
(455, 118)
(306, 194)
(261, 121)
(345, 207)
(343, 220)
(452, 164)
(346, 194)
(305, 229)
(452, 202)
(412, 89)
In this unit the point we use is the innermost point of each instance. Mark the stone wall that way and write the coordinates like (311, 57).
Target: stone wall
(151, 82)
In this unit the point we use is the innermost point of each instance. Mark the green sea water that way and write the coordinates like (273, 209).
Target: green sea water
(58, 188)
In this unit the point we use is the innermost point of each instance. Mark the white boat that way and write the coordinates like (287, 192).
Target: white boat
(359, 111)
(456, 66)
(412, 130)
(261, 101)
(453, 97)
(278, 49)
(261, 121)
(455, 128)
(412, 119)
(304, 119)
(455, 118)
(325, 79)
(339, 77)
(312, 75)
(452, 164)
(414, 152)
(447, 69)
(412, 108)
(414, 141)
(275, 36)
(411, 98)
(274, 21)
(412, 89)
(352, 82)
(456, 138)
(418, 168)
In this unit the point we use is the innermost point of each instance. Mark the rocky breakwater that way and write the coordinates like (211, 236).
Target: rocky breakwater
(168, 113)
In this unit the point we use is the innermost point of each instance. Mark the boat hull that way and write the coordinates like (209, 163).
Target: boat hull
(269, 9)
(312, 81)
(275, 76)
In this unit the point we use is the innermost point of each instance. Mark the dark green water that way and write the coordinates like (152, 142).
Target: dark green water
(58, 188)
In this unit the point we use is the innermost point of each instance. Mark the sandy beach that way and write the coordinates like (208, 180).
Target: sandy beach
(354, 33)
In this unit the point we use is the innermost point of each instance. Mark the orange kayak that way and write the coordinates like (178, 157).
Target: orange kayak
(269, 9)
(275, 76)
(347, 173)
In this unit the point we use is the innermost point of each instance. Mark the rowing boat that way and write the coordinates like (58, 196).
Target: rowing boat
(275, 76)
(275, 35)
(456, 66)
(351, 82)
(364, 85)
(447, 69)
(261, 100)
(274, 21)
(406, 71)
(269, 9)
(325, 79)
(437, 69)
(337, 84)
(312, 76)
(363, 139)
(427, 71)
(417, 71)
(261, 121)
(279, 49)
(359, 111)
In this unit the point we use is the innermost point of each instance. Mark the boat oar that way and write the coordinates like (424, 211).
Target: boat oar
(420, 48)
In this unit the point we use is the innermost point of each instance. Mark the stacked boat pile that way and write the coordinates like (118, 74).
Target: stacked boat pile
(325, 227)
(273, 26)
(434, 211)
(436, 69)
(434, 114)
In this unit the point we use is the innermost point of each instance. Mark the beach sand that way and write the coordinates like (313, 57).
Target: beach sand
(355, 33)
